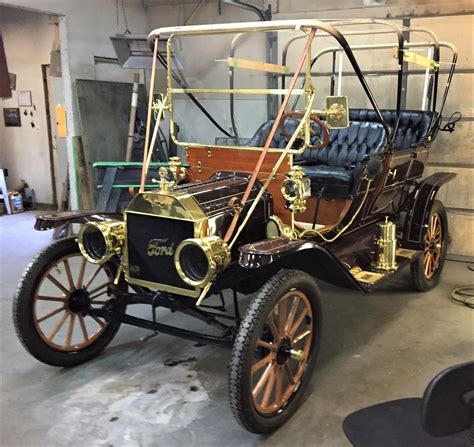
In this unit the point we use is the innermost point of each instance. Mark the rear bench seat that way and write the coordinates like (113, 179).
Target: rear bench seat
(413, 127)
(334, 169)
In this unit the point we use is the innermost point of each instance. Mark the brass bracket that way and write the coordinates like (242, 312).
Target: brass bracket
(179, 173)
(296, 188)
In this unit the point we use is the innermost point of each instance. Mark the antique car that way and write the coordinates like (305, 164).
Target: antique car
(280, 184)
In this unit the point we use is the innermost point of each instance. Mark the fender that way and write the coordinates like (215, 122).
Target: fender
(304, 255)
(53, 220)
(418, 208)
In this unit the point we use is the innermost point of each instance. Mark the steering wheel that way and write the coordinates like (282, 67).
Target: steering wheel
(323, 139)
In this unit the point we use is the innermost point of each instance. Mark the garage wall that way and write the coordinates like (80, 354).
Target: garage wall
(90, 23)
(24, 150)
(85, 27)
(451, 20)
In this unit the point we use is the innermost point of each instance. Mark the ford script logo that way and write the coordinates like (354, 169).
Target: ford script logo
(160, 247)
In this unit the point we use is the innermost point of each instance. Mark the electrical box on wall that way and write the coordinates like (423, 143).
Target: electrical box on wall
(61, 125)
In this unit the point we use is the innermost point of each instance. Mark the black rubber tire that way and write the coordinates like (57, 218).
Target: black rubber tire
(420, 281)
(244, 347)
(23, 312)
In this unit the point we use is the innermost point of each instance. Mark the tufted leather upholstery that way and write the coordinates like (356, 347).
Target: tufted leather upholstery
(332, 169)
(413, 128)
(347, 147)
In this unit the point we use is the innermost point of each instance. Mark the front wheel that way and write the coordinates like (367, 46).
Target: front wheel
(50, 308)
(426, 270)
(275, 351)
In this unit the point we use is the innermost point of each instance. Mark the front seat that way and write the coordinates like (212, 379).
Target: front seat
(334, 168)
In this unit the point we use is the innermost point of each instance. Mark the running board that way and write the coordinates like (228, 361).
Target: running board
(369, 278)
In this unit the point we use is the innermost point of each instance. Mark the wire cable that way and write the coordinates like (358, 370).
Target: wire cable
(464, 295)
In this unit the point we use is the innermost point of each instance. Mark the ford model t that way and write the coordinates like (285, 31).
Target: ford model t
(281, 183)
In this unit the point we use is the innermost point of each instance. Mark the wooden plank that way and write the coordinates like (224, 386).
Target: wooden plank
(248, 64)
(113, 200)
(107, 184)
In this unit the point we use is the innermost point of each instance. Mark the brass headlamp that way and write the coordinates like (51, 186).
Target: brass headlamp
(296, 188)
(199, 260)
(99, 241)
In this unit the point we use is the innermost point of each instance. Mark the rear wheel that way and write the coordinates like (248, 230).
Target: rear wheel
(50, 308)
(275, 352)
(426, 270)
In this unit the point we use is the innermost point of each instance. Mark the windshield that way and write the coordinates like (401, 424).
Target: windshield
(245, 67)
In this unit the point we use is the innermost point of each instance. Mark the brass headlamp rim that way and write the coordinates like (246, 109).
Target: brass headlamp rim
(214, 264)
(113, 239)
(286, 196)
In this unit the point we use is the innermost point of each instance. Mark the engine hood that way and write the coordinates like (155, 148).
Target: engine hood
(196, 201)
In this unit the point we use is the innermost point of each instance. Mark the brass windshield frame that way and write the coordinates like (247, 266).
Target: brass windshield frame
(171, 90)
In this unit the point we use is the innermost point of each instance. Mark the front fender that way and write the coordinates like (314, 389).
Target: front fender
(418, 208)
(308, 256)
(53, 220)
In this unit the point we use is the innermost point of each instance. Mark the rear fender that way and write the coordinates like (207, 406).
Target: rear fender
(312, 258)
(53, 220)
(418, 208)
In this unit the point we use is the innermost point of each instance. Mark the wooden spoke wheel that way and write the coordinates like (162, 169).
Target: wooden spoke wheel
(60, 315)
(275, 351)
(426, 270)
(53, 301)
(282, 355)
(433, 245)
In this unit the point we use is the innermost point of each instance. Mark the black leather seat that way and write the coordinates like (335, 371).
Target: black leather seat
(334, 168)
(413, 128)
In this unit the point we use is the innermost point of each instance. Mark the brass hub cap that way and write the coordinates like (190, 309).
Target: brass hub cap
(283, 351)
(67, 290)
(433, 246)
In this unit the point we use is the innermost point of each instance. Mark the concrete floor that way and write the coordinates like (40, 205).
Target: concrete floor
(378, 347)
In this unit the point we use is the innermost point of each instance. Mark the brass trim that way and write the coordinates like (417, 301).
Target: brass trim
(113, 233)
(365, 276)
(272, 173)
(240, 91)
(296, 201)
(217, 254)
(385, 247)
(150, 284)
(406, 253)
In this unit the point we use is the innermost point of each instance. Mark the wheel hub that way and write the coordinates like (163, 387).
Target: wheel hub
(78, 301)
(284, 351)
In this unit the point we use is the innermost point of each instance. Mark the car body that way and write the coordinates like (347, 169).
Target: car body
(330, 193)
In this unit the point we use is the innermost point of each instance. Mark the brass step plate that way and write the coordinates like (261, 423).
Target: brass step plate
(371, 278)
(365, 276)
(406, 253)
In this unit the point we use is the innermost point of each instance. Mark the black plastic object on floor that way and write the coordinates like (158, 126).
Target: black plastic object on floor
(443, 417)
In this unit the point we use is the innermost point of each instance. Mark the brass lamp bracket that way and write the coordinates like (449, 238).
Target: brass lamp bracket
(296, 188)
